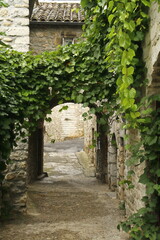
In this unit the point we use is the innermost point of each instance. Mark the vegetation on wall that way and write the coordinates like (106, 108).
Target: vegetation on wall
(26, 80)
(106, 73)
(126, 23)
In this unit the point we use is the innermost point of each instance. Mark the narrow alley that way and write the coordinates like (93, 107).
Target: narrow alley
(69, 204)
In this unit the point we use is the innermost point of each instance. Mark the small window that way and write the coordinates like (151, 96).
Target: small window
(68, 41)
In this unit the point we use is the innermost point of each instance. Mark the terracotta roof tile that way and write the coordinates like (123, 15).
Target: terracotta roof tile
(64, 12)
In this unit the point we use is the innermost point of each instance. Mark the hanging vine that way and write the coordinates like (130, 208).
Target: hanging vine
(126, 23)
(104, 72)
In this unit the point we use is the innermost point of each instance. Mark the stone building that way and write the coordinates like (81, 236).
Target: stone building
(14, 20)
(54, 24)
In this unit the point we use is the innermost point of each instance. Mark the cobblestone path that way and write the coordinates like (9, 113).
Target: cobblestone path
(67, 205)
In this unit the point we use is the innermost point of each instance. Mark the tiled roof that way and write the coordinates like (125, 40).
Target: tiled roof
(57, 12)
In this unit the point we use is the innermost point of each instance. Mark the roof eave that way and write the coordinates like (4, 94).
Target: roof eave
(56, 23)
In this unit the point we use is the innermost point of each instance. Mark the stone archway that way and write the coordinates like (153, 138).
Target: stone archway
(36, 140)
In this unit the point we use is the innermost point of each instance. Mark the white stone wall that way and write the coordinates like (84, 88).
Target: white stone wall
(69, 124)
(65, 124)
(14, 22)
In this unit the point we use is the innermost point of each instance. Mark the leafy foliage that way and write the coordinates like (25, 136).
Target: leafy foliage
(145, 223)
(104, 72)
(26, 80)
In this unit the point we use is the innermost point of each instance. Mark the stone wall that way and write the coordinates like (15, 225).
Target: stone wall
(44, 37)
(65, 124)
(117, 155)
(15, 179)
(151, 52)
(133, 196)
(14, 21)
(90, 127)
(117, 169)
(68, 124)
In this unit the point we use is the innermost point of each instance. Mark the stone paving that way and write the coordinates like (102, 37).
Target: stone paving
(66, 205)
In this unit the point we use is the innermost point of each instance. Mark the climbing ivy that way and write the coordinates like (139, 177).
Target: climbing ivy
(26, 80)
(125, 23)
(105, 72)
(145, 224)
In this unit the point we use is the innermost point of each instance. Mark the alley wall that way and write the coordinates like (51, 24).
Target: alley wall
(14, 22)
(117, 154)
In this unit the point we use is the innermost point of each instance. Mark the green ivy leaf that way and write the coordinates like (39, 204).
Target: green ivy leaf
(110, 5)
(124, 40)
(110, 18)
(146, 3)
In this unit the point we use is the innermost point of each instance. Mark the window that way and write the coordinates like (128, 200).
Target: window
(67, 41)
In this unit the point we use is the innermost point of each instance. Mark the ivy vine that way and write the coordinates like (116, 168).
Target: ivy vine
(104, 72)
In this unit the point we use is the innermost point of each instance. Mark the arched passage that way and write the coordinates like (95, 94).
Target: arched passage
(66, 124)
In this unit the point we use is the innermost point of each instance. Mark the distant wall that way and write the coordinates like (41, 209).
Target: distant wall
(69, 124)
(47, 37)
(66, 124)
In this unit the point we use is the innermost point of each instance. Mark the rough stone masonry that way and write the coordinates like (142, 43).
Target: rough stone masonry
(14, 22)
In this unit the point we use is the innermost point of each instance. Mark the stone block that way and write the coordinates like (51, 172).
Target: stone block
(3, 12)
(20, 47)
(18, 12)
(18, 31)
(21, 40)
(7, 39)
(113, 169)
(7, 23)
(10, 176)
(19, 155)
(21, 5)
(22, 21)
